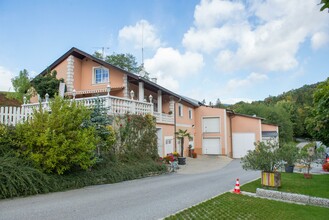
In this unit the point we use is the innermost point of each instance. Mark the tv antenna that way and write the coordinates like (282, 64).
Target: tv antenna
(103, 51)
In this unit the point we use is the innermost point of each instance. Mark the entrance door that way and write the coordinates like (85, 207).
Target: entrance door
(169, 146)
(160, 143)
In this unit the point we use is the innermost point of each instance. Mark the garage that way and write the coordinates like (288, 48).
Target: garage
(242, 142)
(211, 146)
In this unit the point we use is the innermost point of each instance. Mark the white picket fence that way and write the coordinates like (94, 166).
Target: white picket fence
(115, 106)
(14, 115)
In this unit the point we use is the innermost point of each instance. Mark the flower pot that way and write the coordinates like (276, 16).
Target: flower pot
(271, 179)
(181, 160)
(307, 176)
(289, 169)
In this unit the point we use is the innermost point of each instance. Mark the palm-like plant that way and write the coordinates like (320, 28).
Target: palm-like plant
(181, 134)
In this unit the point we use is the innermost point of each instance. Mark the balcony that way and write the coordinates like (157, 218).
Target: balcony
(115, 106)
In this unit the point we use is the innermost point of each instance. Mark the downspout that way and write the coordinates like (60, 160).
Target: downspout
(231, 133)
(175, 142)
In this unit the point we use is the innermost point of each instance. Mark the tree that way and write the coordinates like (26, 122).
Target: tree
(325, 5)
(181, 134)
(101, 121)
(219, 104)
(47, 84)
(98, 55)
(318, 121)
(21, 84)
(272, 114)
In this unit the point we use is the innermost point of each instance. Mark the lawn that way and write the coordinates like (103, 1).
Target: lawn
(232, 206)
(296, 183)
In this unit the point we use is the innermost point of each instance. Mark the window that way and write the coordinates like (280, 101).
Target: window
(190, 113)
(180, 110)
(100, 75)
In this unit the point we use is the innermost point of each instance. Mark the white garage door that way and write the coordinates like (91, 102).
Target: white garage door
(211, 124)
(211, 146)
(242, 142)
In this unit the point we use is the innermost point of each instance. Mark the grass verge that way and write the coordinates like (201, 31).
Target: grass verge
(296, 183)
(232, 206)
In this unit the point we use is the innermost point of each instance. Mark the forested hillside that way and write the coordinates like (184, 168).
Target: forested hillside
(289, 110)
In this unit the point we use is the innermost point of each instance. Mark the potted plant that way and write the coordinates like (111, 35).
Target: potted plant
(289, 153)
(190, 150)
(266, 158)
(181, 135)
(194, 154)
(309, 154)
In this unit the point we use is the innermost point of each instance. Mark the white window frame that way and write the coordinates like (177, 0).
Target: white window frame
(94, 75)
(180, 110)
(190, 113)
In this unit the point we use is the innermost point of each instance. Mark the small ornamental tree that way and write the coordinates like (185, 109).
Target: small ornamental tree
(102, 123)
(289, 153)
(265, 157)
(22, 85)
(310, 154)
(48, 83)
(56, 141)
(181, 135)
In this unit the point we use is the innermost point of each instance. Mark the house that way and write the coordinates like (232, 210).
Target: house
(214, 131)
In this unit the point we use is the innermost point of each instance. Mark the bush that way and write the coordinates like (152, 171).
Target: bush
(289, 153)
(57, 141)
(8, 139)
(136, 137)
(109, 172)
(265, 157)
(18, 178)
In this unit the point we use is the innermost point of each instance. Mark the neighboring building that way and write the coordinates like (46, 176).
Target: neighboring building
(215, 131)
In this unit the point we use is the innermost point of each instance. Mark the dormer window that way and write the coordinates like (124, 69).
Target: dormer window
(100, 75)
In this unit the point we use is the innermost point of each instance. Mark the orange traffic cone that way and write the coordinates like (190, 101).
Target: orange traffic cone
(237, 187)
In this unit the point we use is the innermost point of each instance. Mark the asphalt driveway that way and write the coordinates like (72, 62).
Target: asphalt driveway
(148, 198)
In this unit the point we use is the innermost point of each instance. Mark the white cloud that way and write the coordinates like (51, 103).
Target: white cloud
(265, 35)
(143, 33)
(232, 101)
(5, 82)
(169, 65)
(211, 13)
(251, 79)
(319, 39)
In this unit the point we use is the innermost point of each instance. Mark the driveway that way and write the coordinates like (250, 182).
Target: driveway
(148, 198)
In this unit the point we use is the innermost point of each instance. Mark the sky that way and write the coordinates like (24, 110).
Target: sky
(205, 49)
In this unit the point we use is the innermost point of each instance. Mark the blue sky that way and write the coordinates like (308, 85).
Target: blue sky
(231, 50)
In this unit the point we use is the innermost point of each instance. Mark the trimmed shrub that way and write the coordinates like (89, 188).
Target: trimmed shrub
(57, 141)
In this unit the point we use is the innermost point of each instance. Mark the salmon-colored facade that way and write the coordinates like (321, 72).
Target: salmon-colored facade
(213, 130)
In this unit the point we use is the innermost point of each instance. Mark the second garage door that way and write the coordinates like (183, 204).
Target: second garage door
(242, 142)
(211, 146)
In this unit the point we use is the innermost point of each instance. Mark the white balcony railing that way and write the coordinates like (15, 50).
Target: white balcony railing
(164, 118)
(116, 106)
